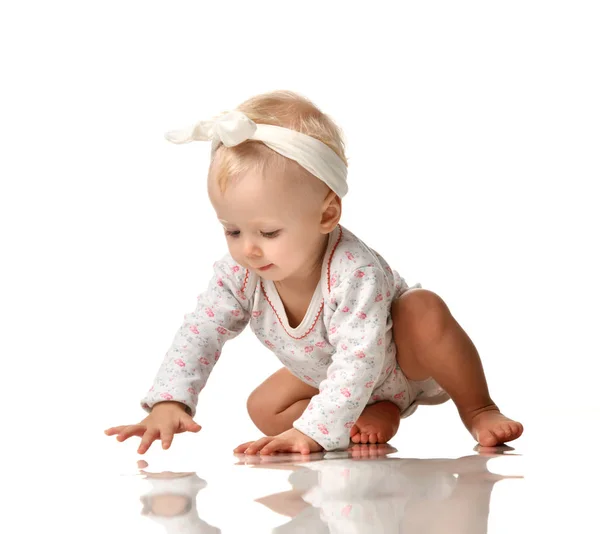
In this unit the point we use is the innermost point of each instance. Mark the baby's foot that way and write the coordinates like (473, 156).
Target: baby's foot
(378, 423)
(491, 428)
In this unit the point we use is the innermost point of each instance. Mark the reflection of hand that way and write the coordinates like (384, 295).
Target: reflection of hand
(360, 451)
(285, 462)
(290, 441)
(165, 420)
(164, 474)
(171, 501)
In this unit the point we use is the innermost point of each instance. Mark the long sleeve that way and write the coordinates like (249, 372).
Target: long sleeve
(222, 312)
(357, 330)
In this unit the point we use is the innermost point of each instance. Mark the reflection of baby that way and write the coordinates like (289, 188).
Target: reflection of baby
(305, 518)
(388, 495)
(171, 502)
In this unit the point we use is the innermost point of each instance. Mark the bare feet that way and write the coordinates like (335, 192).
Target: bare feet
(491, 428)
(378, 423)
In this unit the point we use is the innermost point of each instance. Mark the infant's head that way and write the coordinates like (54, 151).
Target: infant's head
(274, 211)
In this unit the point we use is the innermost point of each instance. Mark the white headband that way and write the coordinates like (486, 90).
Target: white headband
(234, 127)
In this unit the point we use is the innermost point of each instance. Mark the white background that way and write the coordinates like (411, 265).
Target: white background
(472, 135)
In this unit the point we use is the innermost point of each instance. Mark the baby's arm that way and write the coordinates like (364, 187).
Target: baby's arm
(222, 313)
(358, 330)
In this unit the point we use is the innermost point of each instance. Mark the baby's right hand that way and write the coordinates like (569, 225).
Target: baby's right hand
(166, 419)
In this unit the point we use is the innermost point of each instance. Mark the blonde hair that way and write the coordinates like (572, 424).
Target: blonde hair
(278, 108)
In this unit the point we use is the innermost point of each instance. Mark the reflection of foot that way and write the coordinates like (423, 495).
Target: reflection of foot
(495, 451)
(491, 428)
(369, 451)
(378, 423)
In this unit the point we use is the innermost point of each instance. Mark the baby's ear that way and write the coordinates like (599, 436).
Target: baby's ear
(332, 212)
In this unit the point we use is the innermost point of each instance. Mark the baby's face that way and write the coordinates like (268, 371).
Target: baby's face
(271, 222)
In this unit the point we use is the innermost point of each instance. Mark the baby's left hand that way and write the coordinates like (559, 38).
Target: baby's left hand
(290, 441)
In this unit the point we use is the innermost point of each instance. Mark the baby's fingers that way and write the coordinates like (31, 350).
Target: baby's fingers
(150, 435)
(273, 446)
(191, 426)
(241, 448)
(131, 430)
(114, 430)
(285, 445)
(166, 435)
(258, 445)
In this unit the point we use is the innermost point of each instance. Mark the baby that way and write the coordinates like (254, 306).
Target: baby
(360, 348)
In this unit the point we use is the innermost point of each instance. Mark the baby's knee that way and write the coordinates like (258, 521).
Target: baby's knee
(256, 404)
(419, 314)
(261, 412)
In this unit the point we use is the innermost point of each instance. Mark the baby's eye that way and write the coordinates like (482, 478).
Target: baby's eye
(271, 235)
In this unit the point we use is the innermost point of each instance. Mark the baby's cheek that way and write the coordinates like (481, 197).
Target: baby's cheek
(286, 255)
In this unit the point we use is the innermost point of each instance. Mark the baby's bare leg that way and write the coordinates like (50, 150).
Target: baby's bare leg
(431, 343)
(280, 400)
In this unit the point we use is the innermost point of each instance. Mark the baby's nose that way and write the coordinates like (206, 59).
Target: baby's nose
(251, 249)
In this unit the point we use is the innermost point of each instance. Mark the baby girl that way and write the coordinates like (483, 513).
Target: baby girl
(360, 348)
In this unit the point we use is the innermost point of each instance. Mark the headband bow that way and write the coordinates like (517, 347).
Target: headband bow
(231, 129)
(234, 127)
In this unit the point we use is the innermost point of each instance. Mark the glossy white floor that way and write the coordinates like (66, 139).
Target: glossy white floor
(424, 481)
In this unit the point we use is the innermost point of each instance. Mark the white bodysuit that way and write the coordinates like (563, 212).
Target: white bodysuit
(343, 346)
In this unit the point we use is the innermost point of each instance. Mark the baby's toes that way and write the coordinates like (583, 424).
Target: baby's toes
(487, 438)
(364, 437)
(373, 438)
(356, 438)
(508, 431)
(500, 431)
(384, 437)
(514, 430)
